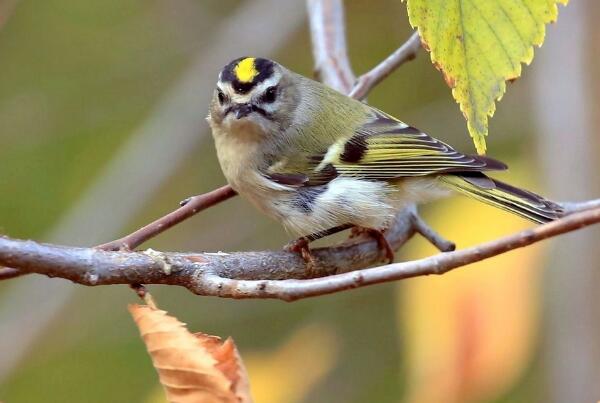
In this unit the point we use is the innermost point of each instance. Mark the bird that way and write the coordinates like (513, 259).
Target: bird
(320, 162)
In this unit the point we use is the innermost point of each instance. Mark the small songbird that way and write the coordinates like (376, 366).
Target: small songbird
(319, 161)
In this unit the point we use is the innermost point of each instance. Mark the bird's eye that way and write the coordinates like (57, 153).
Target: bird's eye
(221, 97)
(269, 95)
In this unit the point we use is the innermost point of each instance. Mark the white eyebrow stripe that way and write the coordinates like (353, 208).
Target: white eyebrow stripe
(270, 82)
(257, 91)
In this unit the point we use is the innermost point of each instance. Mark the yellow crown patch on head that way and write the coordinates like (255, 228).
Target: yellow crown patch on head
(245, 71)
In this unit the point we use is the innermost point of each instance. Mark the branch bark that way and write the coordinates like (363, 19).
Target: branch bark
(8, 273)
(408, 51)
(278, 275)
(328, 34)
(190, 207)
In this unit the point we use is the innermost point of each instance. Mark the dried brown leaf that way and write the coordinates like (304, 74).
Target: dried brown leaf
(191, 367)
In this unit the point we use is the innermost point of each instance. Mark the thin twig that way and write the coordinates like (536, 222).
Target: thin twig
(408, 51)
(574, 207)
(431, 235)
(7, 273)
(192, 206)
(209, 274)
(328, 33)
(144, 295)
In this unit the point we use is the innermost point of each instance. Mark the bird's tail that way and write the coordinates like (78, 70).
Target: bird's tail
(504, 196)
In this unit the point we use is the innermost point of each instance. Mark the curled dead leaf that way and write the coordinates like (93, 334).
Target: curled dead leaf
(191, 367)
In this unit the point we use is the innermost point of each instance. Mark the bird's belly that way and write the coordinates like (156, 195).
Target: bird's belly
(370, 204)
(310, 209)
(306, 210)
(342, 201)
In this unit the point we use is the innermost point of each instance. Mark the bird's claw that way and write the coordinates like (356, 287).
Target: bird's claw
(379, 236)
(301, 247)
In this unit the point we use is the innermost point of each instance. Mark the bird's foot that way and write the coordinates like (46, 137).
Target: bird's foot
(379, 236)
(301, 247)
(357, 231)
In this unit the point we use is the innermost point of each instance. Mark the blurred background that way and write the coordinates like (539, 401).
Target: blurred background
(102, 107)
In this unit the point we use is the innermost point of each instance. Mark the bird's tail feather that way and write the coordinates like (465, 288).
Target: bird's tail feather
(504, 196)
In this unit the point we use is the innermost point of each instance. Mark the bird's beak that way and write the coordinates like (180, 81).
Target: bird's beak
(242, 110)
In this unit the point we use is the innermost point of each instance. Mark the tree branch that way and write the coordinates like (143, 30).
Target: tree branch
(57, 261)
(190, 207)
(7, 273)
(276, 275)
(574, 207)
(328, 34)
(430, 234)
(406, 52)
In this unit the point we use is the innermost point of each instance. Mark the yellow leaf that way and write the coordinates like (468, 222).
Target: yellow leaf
(191, 367)
(478, 45)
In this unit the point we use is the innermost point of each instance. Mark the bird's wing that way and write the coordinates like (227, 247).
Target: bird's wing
(383, 149)
(386, 148)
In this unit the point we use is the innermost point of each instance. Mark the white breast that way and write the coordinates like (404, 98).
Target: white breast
(346, 201)
(239, 157)
(369, 204)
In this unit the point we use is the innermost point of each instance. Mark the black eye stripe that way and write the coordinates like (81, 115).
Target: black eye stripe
(261, 111)
(221, 97)
(269, 95)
